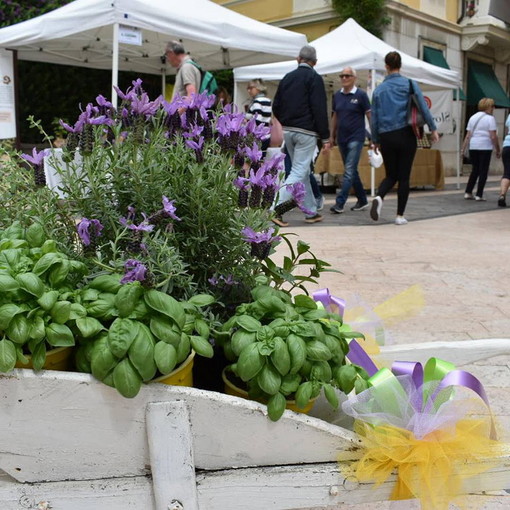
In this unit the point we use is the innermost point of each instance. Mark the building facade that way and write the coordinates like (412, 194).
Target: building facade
(468, 36)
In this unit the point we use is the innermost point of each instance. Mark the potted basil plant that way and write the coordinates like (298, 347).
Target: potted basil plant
(133, 334)
(284, 348)
(37, 299)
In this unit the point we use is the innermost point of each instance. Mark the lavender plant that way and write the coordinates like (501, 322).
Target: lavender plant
(161, 184)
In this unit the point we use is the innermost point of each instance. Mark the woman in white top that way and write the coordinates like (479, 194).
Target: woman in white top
(505, 180)
(482, 137)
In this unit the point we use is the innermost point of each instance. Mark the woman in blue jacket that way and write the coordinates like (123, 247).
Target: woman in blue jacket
(391, 133)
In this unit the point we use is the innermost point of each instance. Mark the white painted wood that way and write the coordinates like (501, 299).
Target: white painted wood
(84, 446)
(171, 455)
(277, 488)
(461, 353)
(50, 419)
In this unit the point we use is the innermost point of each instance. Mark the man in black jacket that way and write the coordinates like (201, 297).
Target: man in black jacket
(301, 107)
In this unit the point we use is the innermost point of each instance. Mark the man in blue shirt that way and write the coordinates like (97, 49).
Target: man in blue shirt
(350, 106)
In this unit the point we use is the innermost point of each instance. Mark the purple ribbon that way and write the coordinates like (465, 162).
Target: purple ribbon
(358, 356)
(331, 303)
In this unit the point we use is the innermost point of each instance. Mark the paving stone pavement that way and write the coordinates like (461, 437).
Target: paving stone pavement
(457, 251)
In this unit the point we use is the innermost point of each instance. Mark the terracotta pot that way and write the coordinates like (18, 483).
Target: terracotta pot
(181, 376)
(56, 359)
(232, 389)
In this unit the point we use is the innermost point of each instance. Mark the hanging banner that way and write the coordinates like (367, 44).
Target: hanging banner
(440, 105)
(7, 105)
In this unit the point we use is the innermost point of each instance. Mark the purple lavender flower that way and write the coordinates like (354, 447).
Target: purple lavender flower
(213, 280)
(84, 232)
(241, 183)
(196, 130)
(254, 153)
(258, 178)
(297, 190)
(37, 158)
(265, 236)
(134, 271)
(143, 107)
(169, 208)
(197, 146)
(142, 227)
(262, 132)
(260, 241)
(228, 280)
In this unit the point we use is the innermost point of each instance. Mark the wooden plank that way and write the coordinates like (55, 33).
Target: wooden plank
(460, 353)
(316, 486)
(171, 455)
(134, 493)
(50, 419)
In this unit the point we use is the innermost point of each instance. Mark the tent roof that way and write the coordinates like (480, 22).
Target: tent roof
(351, 45)
(81, 34)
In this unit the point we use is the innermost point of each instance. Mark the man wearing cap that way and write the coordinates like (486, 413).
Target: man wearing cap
(350, 106)
(188, 78)
(301, 107)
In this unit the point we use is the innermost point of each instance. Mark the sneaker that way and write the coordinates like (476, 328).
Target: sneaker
(359, 207)
(502, 201)
(468, 196)
(480, 199)
(375, 210)
(400, 220)
(320, 203)
(278, 220)
(336, 210)
(314, 219)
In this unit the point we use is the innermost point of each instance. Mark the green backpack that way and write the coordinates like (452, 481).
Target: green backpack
(208, 81)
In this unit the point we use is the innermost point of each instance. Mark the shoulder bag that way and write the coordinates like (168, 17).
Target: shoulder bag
(415, 117)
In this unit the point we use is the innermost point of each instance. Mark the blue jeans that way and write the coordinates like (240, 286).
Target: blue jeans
(316, 190)
(351, 153)
(301, 148)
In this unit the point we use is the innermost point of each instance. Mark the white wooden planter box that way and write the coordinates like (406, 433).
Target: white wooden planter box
(68, 442)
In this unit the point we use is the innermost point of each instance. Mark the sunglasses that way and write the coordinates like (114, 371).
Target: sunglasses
(346, 75)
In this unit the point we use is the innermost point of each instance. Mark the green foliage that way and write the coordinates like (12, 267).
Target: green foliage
(15, 11)
(372, 15)
(286, 277)
(38, 305)
(132, 334)
(282, 348)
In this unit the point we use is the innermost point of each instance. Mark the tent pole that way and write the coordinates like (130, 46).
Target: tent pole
(163, 83)
(115, 64)
(459, 155)
(372, 169)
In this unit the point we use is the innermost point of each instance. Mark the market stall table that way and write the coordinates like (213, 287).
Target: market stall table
(427, 168)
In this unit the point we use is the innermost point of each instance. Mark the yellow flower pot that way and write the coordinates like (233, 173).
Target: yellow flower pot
(56, 359)
(182, 375)
(232, 389)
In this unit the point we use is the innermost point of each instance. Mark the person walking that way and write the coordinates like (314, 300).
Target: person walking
(505, 180)
(392, 135)
(188, 78)
(350, 107)
(260, 108)
(300, 105)
(481, 138)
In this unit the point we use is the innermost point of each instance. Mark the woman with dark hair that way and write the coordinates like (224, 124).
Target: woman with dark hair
(392, 134)
(481, 137)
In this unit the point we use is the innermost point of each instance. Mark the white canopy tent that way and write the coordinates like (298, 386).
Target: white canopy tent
(86, 33)
(351, 45)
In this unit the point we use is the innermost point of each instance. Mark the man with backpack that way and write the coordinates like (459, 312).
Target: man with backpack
(189, 75)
